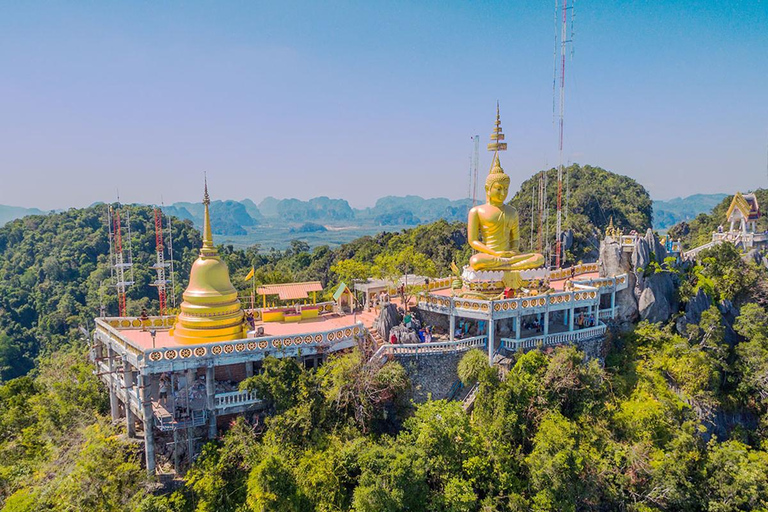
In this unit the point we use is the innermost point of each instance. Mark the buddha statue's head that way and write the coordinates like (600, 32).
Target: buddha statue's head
(497, 183)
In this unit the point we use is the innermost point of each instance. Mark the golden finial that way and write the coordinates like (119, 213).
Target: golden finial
(208, 247)
(497, 136)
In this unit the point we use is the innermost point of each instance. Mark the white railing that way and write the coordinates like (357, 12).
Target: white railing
(553, 339)
(694, 252)
(435, 347)
(605, 313)
(231, 399)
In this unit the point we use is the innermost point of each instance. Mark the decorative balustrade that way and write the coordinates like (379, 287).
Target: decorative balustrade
(235, 398)
(553, 339)
(435, 347)
(269, 343)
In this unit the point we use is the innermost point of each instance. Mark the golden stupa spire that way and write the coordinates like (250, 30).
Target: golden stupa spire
(210, 311)
(497, 136)
(208, 248)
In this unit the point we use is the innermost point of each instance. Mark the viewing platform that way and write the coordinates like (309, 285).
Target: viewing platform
(538, 319)
(174, 387)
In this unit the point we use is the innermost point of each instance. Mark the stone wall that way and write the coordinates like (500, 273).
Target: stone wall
(431, 375)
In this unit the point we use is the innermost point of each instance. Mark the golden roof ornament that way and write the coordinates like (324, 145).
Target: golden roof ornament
(497, 136)
(497, 172)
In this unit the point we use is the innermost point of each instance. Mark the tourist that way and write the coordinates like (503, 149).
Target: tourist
(422, 335)
(458, 333)
(591, 320)
(428, 335)
(163, 391)
(144, 319)
(407, 320)
(251, 321)
(393, 338)
(580, 321)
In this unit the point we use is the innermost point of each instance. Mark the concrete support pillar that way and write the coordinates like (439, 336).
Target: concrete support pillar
(149, 434)
(491, 338)
(613, 303)
(597, 310)
(128, 389)
(518, 325)
(114, 407)
(210, 392)
(248, 369)
(546, 322)
(565, 317)
(571, 314)
(452, 326)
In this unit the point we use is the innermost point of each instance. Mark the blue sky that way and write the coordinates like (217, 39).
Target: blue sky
(365, 99)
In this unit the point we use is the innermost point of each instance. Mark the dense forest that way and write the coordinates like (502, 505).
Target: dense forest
(594, 196)
(670, 422)
(669, 419)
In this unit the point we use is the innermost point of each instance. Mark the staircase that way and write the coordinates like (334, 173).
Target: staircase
(469, 401)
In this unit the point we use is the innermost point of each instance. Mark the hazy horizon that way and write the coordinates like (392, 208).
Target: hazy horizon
(340, 99)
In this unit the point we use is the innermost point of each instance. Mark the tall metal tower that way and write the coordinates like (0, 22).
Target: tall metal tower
(475, 165)
(121, 258)
(170, 257)
(160, 265)
(564, 40)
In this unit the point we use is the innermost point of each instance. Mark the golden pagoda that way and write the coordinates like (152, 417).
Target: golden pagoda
(211, 311)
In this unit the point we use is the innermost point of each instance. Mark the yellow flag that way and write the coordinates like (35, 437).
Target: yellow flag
(250, 274)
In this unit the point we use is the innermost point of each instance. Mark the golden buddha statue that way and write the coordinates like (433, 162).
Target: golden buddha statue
(211, 310)
(493, 229)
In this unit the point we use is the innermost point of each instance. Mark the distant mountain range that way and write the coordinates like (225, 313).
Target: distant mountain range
(290, 218)
(9, 213)
(236, 217)
(668, 213)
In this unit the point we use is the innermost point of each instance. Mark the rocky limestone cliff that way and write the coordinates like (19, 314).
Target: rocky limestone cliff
(693, 310)
(649, 296)
(613, 261)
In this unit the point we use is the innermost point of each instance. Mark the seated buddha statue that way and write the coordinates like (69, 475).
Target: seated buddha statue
(493, 231)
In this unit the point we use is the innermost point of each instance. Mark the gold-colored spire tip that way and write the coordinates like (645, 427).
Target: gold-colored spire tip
(497, 136)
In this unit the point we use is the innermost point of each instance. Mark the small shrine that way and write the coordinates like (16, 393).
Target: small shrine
(743, 213)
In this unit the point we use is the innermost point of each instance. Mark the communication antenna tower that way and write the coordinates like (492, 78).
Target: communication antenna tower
(121, 259)
(475, 165)
(170, 256)
(564, 40)
(160, 265)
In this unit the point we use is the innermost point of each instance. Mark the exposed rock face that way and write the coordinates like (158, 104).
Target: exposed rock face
(613, 261)
(753, 256)
(388, 318)
(404, 335)
(652, 297)
(655, 246)
(658, 300)
(693, 310)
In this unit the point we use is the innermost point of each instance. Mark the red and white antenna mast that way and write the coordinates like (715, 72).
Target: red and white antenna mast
(564, 40)
(160, 265)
